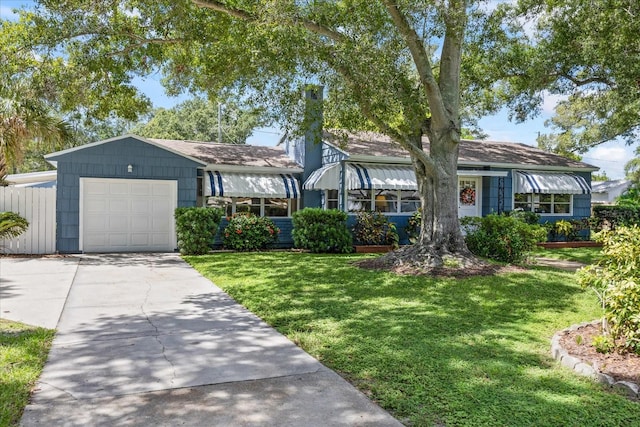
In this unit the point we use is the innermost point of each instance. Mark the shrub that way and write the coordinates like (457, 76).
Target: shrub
(374, 228)
(501, 237)
(611, 217)
(196, 228)
(529, 217)
(12, 225)
(616, 281)
(414, 224)
(321, 231)
(248, 232)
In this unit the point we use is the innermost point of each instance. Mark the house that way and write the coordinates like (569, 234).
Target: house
(606, 192)
(120, 194)
(45, 179)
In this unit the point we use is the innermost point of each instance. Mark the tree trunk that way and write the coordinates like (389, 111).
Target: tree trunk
(441, 242)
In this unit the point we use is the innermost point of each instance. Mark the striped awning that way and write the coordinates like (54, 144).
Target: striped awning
(550, 183)
(236, 184)
(363, 176)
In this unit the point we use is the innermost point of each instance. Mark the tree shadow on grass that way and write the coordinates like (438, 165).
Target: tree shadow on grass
(458, 352)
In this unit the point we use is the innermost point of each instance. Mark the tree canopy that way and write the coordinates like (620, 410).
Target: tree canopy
(197, 119)
(588, 51)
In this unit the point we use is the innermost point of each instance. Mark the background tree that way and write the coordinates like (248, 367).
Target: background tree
(589, 52)
(197, 119)
(394, 65)
(25, 120)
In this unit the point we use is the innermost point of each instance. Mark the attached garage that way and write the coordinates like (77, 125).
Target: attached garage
(127, 215)
(120, 194)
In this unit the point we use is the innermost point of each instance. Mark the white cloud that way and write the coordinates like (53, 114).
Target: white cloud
(610, 157)
(551, 101)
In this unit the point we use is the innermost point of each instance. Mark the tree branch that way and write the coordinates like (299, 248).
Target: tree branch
(421, 61)
(247, 16)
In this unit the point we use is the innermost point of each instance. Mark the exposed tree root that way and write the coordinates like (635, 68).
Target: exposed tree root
(425, 260)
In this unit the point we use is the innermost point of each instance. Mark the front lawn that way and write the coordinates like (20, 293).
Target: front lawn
(466, 352)
(583, 255)
(23, 352)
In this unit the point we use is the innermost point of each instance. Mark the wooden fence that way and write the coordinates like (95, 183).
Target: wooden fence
(38, 206)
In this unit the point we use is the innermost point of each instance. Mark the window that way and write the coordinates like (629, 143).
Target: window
(385, 201)
(224, 203)
(273, 207)
(545, 204)
(409, 201)
(331, 199)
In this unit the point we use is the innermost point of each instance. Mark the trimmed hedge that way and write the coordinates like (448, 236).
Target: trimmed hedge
(501, 237)
(612, 217)
(196, 228)
(321, 231)
(248, 232)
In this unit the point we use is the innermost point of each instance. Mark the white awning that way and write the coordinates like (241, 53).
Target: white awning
(548, 183)
(375, 176)
(236, 184)
(363, 176)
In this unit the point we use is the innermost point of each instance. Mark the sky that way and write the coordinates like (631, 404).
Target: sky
(609, 157)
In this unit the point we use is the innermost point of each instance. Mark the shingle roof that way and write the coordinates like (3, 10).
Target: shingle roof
(230, 154)
(606, 186)
(369, 144)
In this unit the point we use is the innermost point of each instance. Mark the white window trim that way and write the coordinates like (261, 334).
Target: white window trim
(263, 204)
(570, 213)
(372, 201)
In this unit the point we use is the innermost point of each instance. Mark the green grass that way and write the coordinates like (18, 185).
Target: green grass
(23, 352)
(583, 255)
(472, 352)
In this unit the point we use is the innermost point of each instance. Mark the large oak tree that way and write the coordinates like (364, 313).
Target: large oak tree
(395, 65)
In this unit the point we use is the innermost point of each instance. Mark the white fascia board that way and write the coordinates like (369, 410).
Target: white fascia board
(252, 169)
(519, 166)
(379, 159)
(476, 172)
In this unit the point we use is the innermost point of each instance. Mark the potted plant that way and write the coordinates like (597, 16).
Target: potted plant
(374, 233)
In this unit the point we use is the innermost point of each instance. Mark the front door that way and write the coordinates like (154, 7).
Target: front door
(469, 200)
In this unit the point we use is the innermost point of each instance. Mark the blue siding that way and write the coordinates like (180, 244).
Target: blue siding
(110, 160)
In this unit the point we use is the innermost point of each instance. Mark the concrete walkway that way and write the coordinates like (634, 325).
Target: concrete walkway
(560, 264)
(145, 340)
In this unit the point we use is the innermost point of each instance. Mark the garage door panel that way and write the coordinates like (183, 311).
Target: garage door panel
(118, 239)
(141, 189)
(160, 190)
(141, 207)
(121, 188)
(95, 188)
(140, 239)
(142, 223)
(128, 215)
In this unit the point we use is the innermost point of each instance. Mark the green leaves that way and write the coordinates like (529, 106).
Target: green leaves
(196, 228)
(197, 119)
(248, 232)
(321, 231)
(12, 225)
(616, 281)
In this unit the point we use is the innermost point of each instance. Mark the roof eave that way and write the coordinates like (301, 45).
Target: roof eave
(252, 169)
(585, 168)
(51, 157)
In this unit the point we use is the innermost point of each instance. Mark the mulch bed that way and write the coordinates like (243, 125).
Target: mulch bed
(622, 367)
(408, 269)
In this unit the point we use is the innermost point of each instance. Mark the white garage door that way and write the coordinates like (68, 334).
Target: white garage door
(127, 215)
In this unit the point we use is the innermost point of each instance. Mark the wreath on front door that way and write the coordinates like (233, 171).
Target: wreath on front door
(468, 196)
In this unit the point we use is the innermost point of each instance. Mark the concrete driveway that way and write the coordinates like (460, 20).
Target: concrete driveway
(144, 339)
